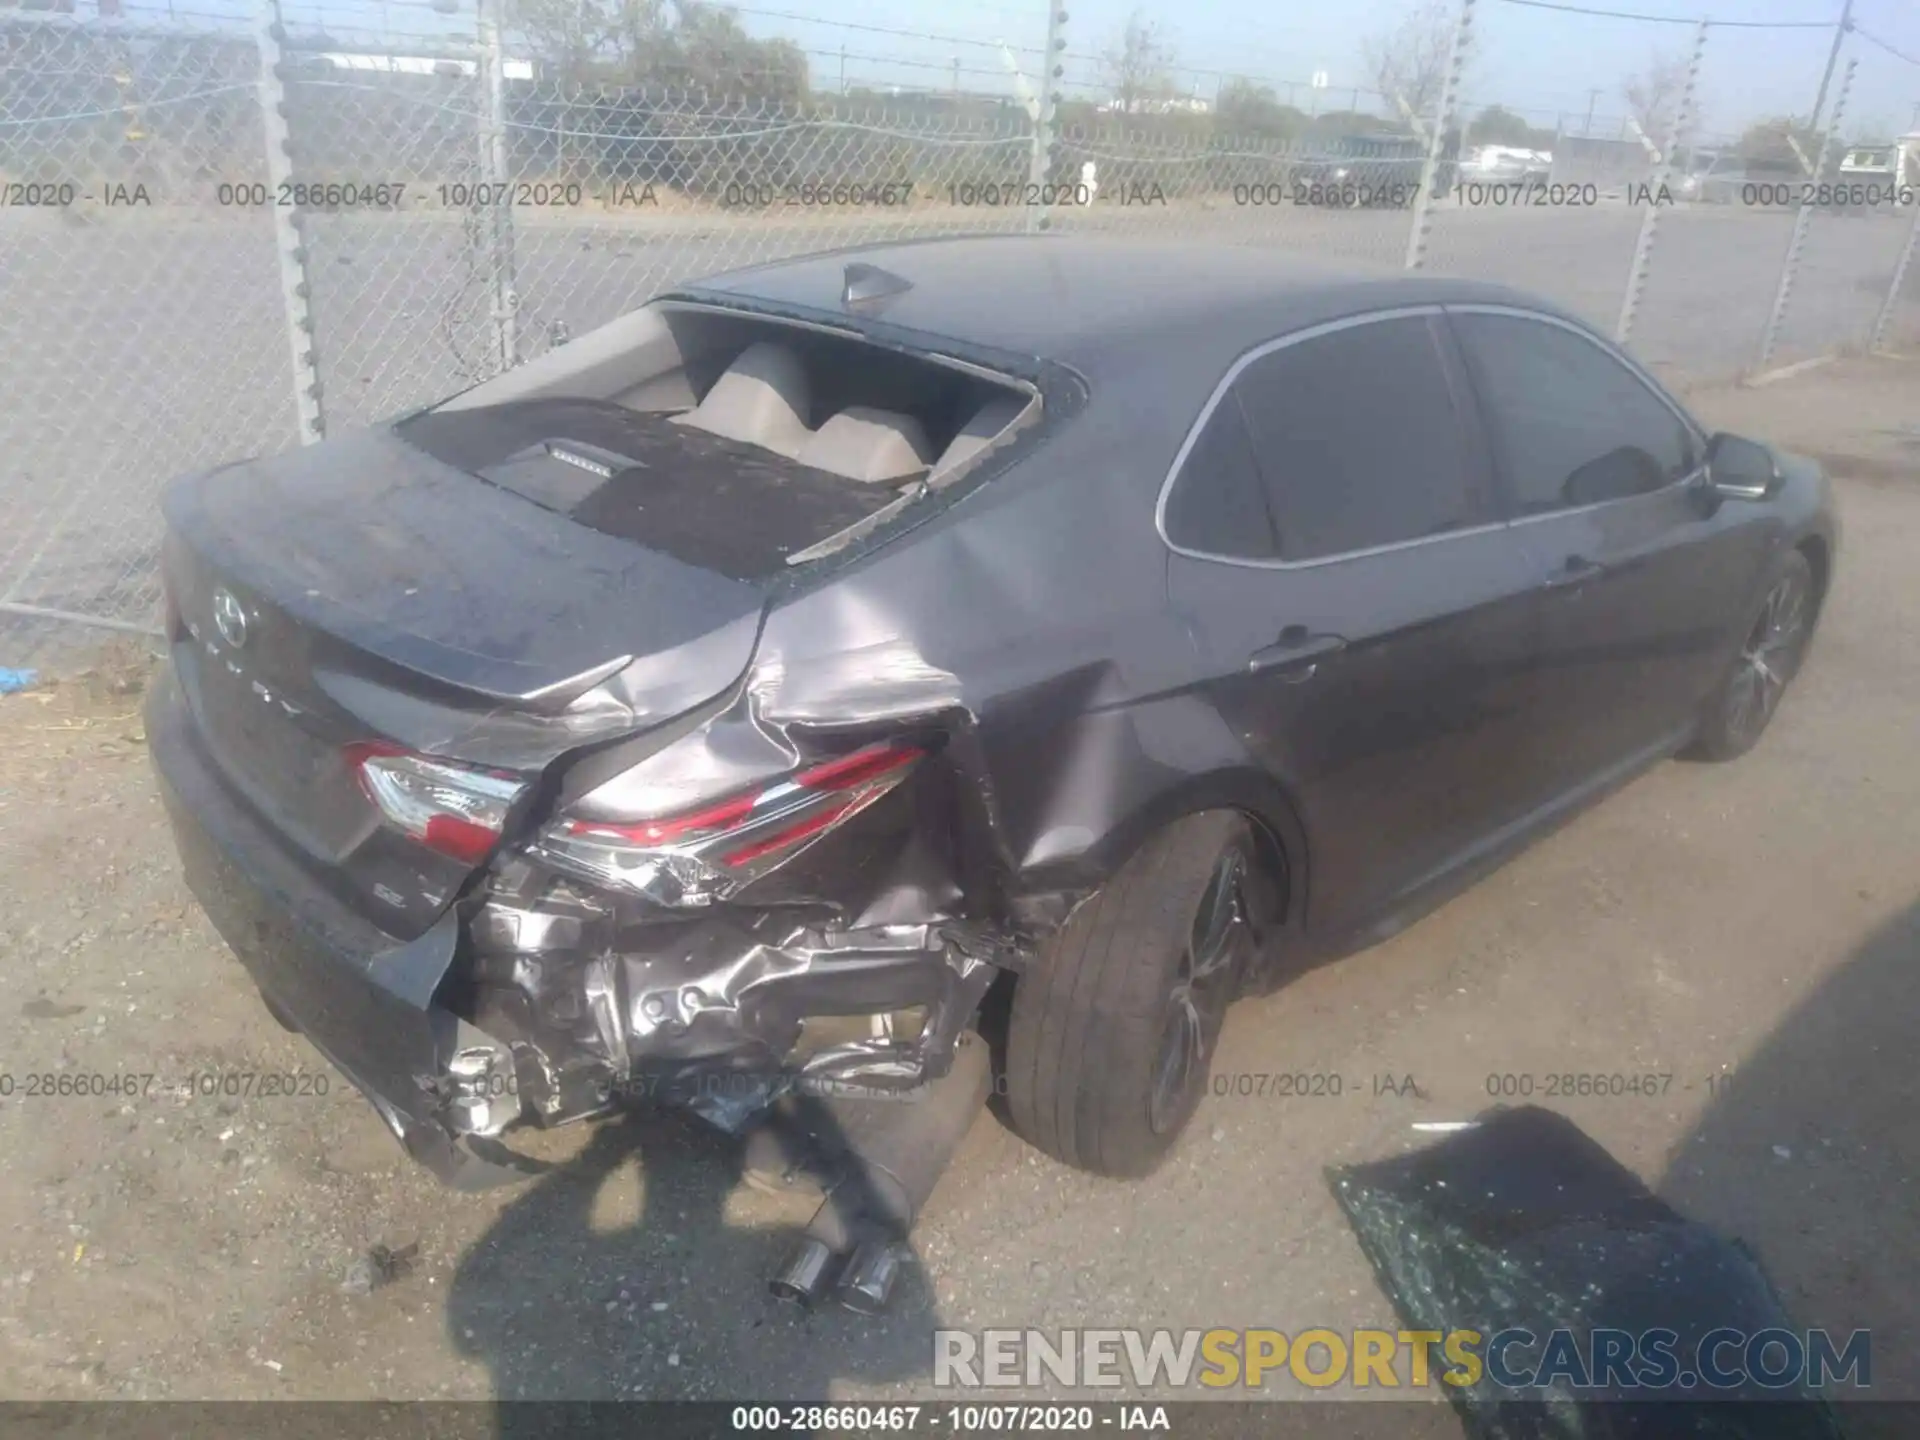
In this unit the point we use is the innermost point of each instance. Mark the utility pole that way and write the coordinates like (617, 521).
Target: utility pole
(956, 77)
(1593, 96)
(1833, 58)
(843, 69)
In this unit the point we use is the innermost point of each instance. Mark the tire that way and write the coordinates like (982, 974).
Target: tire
(1112, 1032)
(1770, 655)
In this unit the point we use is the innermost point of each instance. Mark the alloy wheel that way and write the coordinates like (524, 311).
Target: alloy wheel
(1210, 968)
(1768, 658)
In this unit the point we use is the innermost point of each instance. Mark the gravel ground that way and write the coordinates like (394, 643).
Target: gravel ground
(1752, 930)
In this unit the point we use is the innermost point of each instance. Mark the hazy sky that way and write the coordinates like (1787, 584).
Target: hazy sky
(1541, 61)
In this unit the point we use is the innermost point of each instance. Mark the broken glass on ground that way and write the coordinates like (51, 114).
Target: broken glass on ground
(1525, 1223)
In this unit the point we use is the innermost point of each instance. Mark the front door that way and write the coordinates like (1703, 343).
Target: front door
(1639, 574)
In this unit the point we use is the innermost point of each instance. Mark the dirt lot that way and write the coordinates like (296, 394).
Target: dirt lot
(1752, 930)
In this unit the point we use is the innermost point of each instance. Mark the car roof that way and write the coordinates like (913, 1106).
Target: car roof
(1097, 303)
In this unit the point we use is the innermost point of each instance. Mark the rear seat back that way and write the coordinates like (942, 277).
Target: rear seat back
(762, 398)
(863, 443)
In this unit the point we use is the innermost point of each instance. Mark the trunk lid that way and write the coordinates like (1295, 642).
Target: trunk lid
(364, 590)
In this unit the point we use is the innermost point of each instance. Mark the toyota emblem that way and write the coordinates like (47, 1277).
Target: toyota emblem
(229, 618)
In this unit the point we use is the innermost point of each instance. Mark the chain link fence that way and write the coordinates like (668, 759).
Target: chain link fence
(224, 241)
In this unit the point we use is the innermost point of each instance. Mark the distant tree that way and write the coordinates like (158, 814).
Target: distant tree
(1245, 107)
(1497, 125)
(683, 43)
(1653, 96)
(1139, 67)
(715, 54)
(1771, 142)
(1409, 62)
(570, 37)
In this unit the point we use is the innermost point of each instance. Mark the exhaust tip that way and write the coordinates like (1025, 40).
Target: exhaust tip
(803, 1279)
(867, 1283)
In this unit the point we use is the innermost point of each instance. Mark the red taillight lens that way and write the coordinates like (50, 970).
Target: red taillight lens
(817, 823)
(458, 810)
(857, 768)
(694, 856)
(859, 779)
(705, 821)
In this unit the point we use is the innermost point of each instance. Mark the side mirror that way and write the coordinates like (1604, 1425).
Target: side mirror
(1740, 469)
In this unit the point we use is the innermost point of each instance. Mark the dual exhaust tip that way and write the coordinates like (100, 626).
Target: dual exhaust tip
(892, 1155)
(863, 1284)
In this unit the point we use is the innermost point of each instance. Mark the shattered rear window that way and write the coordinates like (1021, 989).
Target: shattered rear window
(730, 507)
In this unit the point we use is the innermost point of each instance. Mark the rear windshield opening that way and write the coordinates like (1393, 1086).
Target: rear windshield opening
(840, 373)
(726, 440)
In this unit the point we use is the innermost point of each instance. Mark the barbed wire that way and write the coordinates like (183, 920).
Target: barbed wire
(1673, 19)
(1871, 38)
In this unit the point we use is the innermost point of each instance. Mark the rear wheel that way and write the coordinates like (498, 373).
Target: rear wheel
(1111, 1037)
(1739, 711)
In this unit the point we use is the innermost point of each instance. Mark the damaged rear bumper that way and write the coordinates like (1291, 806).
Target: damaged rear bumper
(504, 1014)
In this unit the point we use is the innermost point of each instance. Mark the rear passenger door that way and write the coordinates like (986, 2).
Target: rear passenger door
(1639, 579)
(1363, 612)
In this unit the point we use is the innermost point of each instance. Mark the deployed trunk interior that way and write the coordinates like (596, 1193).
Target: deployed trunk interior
(732, 441)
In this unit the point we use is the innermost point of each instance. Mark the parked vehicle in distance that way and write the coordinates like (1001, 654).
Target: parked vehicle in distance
(1506, 164)
(729, 699)
(1877, 162)
(1368, 172)
(1713, 179)
(1877, 177)
(1726, 178)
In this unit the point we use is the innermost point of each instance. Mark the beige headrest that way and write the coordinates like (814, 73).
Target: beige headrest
(762, 398)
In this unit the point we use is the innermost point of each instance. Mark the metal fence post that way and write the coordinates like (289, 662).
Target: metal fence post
(1800, 223)
(1885, 317)
(495, 178)
(1437, 141)
(288, 228)
(1826, 76)
(1662, 176)
(1040, 157)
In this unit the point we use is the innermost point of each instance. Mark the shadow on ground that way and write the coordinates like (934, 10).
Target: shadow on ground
(1811, 1154)
(623, 1275)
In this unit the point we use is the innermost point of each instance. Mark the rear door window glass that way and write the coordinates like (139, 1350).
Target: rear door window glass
(1359, 440)
(1218, 505)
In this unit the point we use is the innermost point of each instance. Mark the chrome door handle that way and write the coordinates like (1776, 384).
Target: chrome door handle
(1296, 655)
(1578, 570)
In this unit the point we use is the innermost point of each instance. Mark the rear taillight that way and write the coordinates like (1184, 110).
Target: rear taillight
(703, 854)
(458, 810)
